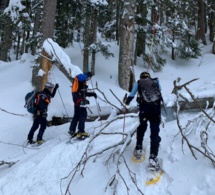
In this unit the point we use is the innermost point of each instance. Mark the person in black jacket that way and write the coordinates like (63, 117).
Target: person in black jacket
(42, 101)
(149, 102)
(79, 94)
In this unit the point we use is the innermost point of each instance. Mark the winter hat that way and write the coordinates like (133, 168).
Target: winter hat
(144, 75)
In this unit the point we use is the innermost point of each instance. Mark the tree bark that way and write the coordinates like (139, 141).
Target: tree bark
(6, 29)
(212, 22)
(126, 54)
(141, 38)
(94, 39)
(87, 33)
(47, 31)
(200, 35)
(37, 23)
(48, 20)
(213, 47)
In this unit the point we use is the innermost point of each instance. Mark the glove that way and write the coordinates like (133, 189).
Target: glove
(38, 113)
(57, 86)
(128, 100)
(44, 115)
(94, 95)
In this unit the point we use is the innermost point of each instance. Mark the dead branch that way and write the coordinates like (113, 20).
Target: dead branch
(208, 154)
(107, 99)
(117, 98)
(116, 150)
(12, 113)
(195, 100)
(23, 146)
(7, 163)
(208, 151)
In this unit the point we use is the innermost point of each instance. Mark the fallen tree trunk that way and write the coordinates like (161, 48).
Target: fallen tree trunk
(206, 102)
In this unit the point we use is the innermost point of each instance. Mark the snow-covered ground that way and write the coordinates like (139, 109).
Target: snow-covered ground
(47, 170)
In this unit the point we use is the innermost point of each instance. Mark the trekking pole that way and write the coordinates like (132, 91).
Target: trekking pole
(61, 97)
(124, 100)
(164, 106)
(97, 104)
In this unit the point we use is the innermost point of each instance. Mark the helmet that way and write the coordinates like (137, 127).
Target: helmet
(49, 85)
(89, 74)
(144, 75)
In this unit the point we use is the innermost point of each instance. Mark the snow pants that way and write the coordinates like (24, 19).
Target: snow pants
(149, 112)
(79, 118)
(39, 120)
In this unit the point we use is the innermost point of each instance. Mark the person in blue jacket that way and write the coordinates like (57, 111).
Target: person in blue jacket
(42, 101)
(149, 102)
(79, 94)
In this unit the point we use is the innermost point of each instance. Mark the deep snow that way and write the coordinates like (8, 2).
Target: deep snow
(41, 170)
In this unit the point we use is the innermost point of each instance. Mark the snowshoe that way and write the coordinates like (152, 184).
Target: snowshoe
(72, 134)
(154, 171)
(39, 142)
(82, 135)
(31, 141)
(138, 156)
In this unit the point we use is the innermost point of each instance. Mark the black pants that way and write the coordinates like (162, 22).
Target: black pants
(80, 116)
(39, 120)
(152, 113)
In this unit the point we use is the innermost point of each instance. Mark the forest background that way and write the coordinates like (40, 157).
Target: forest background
(145, 29)
(148, 31)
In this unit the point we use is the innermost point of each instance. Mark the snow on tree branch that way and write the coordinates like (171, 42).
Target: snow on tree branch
(200, 123)
(15, 6)
(114, 152)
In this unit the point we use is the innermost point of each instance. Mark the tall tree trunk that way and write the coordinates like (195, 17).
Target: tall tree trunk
(141, 38)
(94, 39)
(47, 31)
(37, 23)
(200, 35)
(118, 10)
(18, 46)
(173, 49)
(126, 54)
(6, 28)
(213, 47)
(212, 22)
(48, 20)
(6, 39)
(87, 33)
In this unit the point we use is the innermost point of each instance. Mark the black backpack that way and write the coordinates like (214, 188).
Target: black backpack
(30, 100)
(148, 90)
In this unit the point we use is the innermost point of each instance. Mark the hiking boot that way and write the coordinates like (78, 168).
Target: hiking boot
(153, 164)
(39, 142)
(82, 135)
(73, 134)
(30, 141)
(138, 153)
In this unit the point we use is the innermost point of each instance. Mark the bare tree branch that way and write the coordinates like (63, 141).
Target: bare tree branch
(208, 154)
(7, 163)
(116, 155)
(12, 113)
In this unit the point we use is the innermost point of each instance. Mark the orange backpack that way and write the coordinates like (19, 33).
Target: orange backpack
(75, 85)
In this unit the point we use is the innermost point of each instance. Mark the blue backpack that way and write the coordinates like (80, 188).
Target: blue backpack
(30, 100)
